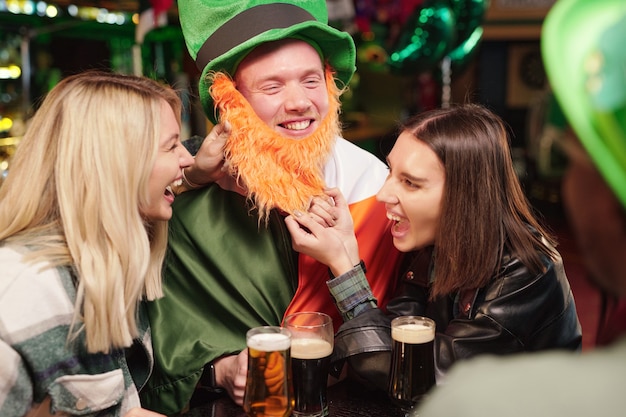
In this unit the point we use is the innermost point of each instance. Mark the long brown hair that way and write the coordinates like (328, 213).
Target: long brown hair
(484, 212)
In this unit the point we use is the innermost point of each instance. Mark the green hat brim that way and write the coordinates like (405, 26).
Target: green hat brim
(337, 47)
(572, 32)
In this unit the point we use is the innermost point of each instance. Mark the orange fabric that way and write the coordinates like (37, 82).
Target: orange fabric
(376, 249)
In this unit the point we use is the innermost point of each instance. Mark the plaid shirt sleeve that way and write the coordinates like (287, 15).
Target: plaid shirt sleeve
(352, 293)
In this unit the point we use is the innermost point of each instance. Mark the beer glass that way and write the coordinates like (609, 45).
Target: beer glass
(412, 360)
(268, 383)
(312, 338)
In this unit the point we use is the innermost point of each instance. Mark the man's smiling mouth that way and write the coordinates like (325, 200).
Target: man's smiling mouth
(300, 125)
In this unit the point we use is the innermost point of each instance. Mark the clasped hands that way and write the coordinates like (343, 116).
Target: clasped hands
(326, 232)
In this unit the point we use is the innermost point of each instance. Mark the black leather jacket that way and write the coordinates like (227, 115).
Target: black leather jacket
(517, 312)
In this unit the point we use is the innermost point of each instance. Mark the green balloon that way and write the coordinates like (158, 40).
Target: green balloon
(465, 52)
(424, 40)
(582, 45)
(469, 15)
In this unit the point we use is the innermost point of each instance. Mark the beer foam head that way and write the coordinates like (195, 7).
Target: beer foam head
(268, 342)
(311, 348)
(413, 333)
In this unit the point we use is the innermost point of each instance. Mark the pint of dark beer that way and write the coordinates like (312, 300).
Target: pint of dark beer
(412, 359)
(268, 383)
(311, 347)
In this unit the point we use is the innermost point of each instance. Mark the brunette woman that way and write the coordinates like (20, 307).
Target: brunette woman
(478, 261)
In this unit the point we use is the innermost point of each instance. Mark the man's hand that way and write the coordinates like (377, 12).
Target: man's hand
(230, 374)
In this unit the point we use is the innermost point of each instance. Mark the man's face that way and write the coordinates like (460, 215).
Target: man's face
(284, 83)
(283, 107)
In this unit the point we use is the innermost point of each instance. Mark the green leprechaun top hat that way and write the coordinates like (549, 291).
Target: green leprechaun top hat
(584, 52)
(220, 33)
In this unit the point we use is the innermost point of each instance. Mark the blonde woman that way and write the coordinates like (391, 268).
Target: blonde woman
(83, 229)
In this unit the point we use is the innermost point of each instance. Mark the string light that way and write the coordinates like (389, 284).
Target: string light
(10, 72)
(42, 8)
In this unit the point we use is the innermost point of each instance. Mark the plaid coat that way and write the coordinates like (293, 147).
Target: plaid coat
(38, 361)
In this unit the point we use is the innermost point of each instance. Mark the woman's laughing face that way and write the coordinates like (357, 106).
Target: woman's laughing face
(413, 193)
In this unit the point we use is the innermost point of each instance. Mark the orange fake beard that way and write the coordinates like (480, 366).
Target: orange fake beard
(277, 171)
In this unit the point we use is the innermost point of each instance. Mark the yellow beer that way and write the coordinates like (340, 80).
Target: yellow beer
(268, 382)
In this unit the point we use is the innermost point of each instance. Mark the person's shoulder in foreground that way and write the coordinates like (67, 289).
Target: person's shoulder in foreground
(552, 384)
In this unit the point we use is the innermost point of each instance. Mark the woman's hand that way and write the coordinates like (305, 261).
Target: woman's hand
(339, 218)
(209, 165)
(326, 232)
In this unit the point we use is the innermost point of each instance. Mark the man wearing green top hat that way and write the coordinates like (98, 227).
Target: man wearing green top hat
(272, 74)
(585, 60)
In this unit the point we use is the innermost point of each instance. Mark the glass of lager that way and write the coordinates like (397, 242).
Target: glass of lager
(268, 382)
(312, 338)
(412, 360)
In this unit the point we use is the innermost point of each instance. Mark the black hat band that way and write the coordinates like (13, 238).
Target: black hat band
(248, 24)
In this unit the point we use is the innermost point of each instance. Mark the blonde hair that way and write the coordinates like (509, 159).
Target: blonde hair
(74, 192)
